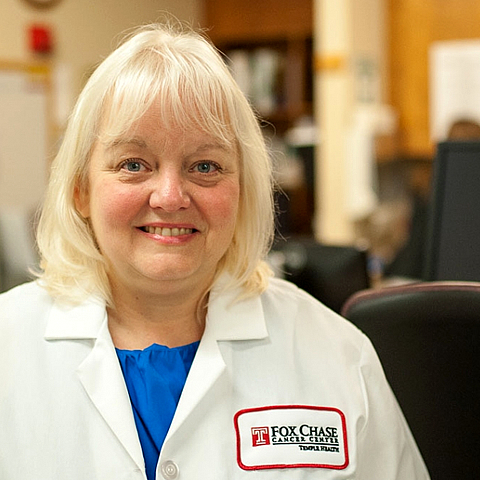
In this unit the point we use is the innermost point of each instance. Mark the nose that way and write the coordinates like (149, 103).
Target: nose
(169, 192)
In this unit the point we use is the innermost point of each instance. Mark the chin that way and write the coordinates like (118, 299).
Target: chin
(174, 273)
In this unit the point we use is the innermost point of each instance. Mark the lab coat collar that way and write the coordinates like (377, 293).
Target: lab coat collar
(75, 321)
(229, 318)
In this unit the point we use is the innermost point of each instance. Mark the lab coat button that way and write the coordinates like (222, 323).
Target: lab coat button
(169, 470)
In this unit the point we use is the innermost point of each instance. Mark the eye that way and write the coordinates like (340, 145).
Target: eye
(133, 166)
(206, 167)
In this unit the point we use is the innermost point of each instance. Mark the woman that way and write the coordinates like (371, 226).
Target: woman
(155, 344)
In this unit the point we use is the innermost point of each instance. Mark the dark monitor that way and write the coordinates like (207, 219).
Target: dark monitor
(330, 273)
(453, 240)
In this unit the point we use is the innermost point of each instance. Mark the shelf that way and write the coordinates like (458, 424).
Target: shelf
(276, 76)
(270, 48)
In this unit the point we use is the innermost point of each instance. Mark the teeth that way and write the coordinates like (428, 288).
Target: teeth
(169, 232)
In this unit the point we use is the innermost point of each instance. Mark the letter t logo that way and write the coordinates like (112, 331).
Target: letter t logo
(260, 436)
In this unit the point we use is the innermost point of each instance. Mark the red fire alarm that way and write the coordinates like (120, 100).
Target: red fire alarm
(40, 39)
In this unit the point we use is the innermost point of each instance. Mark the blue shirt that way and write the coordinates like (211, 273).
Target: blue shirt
(155, 378)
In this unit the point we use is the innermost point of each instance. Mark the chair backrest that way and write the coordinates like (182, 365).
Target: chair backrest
(427, 336)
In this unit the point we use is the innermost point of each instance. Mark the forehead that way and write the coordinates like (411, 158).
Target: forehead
(150, 133)
(157, 123)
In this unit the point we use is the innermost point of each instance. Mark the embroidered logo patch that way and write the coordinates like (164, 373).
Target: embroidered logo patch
(291, 436)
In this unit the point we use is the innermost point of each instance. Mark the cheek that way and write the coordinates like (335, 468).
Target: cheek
(224, 207)
(112, 205)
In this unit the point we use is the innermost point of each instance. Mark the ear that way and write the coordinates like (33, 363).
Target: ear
(82, 201)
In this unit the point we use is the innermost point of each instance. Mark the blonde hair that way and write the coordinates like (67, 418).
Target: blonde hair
(195, 89)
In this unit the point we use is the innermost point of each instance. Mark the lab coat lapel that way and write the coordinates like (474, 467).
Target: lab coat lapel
(206, 369)
(102, 378)
(226, 321)
(100, 372)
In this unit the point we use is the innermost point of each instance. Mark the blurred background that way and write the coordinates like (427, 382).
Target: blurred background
(355, 95)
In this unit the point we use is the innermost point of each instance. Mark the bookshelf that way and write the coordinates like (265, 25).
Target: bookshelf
(269, 46)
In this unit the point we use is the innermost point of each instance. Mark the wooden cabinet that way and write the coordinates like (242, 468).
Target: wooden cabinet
(230, 20)
(272, 43)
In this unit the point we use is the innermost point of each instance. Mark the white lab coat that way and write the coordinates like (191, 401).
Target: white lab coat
(279, 359)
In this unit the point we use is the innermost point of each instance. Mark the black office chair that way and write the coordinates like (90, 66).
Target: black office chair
(427, 336)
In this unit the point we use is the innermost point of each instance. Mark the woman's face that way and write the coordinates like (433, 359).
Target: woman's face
(163, 204)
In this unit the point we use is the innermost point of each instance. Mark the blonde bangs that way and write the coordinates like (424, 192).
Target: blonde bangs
(187, 94)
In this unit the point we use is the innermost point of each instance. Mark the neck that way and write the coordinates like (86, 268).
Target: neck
(173, 319)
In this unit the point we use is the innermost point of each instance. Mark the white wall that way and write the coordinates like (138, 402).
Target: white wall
(84, 31)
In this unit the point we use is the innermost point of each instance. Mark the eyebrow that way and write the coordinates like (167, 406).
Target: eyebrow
(139, 142)
(118, 142)
(211, 146)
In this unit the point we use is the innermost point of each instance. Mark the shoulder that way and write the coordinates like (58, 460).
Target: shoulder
(284, 299)
(24, 298)
(24, 312)
(291, 309)
(23, 307)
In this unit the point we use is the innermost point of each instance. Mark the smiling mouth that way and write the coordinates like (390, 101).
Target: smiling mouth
(168, 232)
